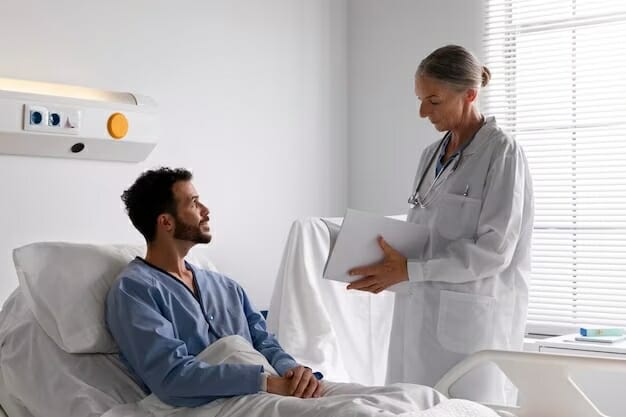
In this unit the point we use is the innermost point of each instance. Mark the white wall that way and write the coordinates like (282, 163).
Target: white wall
(252, 99)
(388, 39)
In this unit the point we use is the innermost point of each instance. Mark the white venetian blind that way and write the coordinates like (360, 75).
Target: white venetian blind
(559, 87)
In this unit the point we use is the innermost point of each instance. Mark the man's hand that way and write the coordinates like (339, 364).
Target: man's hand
(390, 271)
(278, 385)
(302, 383)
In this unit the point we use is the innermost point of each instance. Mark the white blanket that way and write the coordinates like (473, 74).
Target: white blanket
(338, 399)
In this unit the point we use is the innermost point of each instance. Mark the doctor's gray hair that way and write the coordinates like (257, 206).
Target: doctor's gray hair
(455, 66)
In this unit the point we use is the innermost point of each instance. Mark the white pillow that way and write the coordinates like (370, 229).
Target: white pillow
(41, 379)
(66, 284)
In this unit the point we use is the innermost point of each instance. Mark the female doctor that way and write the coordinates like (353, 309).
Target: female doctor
(473, 191)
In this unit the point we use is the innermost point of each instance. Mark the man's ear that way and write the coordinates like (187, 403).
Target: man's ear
(165, 222)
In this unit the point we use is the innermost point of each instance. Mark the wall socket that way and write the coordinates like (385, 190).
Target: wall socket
(52, 119)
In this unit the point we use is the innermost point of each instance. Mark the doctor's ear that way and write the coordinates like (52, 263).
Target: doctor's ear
(471, 94)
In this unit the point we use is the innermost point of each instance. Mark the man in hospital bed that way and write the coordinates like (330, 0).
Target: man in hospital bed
(193, 338)
(163, 312)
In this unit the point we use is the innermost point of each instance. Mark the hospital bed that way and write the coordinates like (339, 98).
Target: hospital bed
(56, 357)
(342, 333)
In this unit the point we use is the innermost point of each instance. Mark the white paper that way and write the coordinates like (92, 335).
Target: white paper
(357, 243)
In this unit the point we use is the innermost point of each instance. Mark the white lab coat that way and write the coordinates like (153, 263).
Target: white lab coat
(470, 290)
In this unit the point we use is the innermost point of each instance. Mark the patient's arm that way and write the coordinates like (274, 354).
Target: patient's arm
(303, 383)
(149, 343)
(263, 341)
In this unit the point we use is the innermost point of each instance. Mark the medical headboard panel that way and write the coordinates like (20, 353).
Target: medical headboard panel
(63, 121)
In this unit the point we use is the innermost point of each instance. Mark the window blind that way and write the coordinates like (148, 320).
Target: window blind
(559, 87)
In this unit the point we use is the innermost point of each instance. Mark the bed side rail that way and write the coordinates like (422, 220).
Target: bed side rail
(543, 380)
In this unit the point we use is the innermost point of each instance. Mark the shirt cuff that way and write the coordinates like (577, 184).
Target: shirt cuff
(263, 383)
(415, 270)
(284, 365)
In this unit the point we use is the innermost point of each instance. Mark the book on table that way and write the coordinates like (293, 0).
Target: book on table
(600, 339)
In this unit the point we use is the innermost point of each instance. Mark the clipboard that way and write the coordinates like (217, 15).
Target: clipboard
(354, 242)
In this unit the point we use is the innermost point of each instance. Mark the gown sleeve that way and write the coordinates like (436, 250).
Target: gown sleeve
(263, 341)
(147, 340)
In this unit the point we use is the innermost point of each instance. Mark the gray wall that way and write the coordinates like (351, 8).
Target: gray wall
(252, 98)
(387, 39)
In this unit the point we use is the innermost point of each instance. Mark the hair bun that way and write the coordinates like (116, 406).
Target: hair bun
(486, 76)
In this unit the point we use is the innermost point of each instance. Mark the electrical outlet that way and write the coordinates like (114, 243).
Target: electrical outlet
(35, 117)
(52, 119)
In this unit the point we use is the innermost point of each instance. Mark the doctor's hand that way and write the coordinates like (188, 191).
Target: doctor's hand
(302, 383)
(390, 271)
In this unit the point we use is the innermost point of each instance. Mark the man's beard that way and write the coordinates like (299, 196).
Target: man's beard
(190, 233)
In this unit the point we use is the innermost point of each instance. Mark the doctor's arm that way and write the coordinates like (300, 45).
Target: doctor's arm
(499, 229)
(464, 260)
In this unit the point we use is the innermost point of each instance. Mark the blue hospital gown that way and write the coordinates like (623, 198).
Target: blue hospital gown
(160, 326)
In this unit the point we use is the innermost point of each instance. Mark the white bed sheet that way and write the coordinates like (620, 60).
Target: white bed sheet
(344, 334)
(49, 382)
(338, 399)
(9, 404)
(390, 401)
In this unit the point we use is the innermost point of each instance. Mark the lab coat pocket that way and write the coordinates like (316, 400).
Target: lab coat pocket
(465, 321)
(458, 216)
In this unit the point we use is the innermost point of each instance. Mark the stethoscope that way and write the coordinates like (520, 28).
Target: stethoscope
(415, 200)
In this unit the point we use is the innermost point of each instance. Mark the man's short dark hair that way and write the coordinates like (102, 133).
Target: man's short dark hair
(150, 196)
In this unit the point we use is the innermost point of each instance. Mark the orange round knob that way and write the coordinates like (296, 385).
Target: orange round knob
(117, 125)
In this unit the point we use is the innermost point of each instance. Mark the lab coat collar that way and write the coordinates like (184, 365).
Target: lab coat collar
(482, 137)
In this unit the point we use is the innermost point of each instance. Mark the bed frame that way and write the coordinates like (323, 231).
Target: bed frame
(541, 378)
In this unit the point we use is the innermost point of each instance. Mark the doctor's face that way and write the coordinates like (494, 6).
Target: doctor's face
(443, 106)
(191, 222)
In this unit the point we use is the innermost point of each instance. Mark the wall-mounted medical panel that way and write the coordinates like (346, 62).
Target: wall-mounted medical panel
(54, 120)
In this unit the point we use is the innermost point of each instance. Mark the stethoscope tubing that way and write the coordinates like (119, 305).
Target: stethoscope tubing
(414, 199)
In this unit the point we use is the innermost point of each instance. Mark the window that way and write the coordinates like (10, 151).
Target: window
(559, 87)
